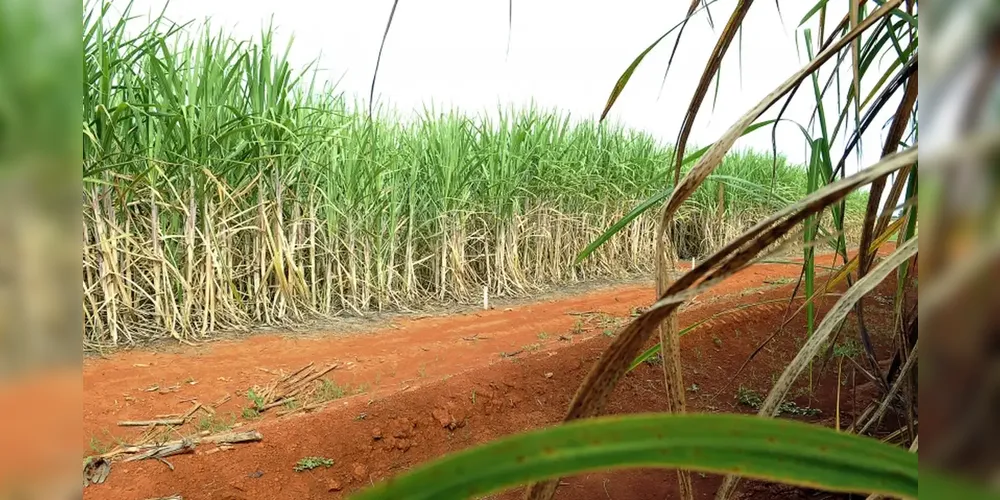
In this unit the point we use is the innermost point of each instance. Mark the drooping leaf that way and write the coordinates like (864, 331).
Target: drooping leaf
(378, 60)
(680, 34)
(510, 24)
(714, 156)
(711, 70)
(627, 74)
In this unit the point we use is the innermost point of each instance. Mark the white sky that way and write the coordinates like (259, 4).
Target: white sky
(564, 54)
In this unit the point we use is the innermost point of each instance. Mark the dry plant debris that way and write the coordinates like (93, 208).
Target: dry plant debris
(288, 390)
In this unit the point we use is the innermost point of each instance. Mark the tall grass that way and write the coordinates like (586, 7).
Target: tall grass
(224, 188)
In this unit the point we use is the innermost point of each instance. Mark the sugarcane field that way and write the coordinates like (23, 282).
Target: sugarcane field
(296, 286)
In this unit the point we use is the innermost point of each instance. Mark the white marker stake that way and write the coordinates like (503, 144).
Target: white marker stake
(486, 300)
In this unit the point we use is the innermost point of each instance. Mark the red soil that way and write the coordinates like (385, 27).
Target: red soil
(423, 374)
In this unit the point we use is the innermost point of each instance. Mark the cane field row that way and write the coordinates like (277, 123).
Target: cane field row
(225, 189)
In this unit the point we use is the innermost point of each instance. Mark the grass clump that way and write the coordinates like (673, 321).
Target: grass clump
(216, 423)
(329, 390)
(310, 463)
(790, 408)
(255, 399)
(749, 397)
(100, 446)
(848, 349)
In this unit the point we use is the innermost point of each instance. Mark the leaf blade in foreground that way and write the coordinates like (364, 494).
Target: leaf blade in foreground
(767, 449)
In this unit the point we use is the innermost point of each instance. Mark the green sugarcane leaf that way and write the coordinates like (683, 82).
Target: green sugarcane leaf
(767, 449)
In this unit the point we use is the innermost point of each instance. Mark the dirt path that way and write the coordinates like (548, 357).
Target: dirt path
(430, 386)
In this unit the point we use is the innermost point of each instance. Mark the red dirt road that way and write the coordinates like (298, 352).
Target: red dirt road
(421, 377)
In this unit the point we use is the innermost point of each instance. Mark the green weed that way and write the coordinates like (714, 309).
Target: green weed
(255, 399)
(99, 446)
(748, 397)
(328, 390)
(216, 423)
(848, 349)
(310, 463)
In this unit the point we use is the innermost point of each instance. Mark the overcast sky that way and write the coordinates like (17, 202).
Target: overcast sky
(564, 54)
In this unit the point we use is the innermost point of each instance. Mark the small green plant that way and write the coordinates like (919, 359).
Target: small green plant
(310, 463)
(847, 349)
(98, 446)
(748, 397)
(256, 399)
(216, 423)
(717, 341)
(532, 347)
(578, 326)
(608, 332)
(328, 391)
(250, 414)
(543, 336)
(790, 408)
(361, 389)
(291, 404)
(694, 388)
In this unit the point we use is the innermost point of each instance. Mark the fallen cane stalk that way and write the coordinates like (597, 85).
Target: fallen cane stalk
(305, 383)
(166, 450)
(184, 445)
(145, 423)
(279, 402)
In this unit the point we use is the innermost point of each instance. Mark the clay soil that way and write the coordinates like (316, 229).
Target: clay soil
(424, 387)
